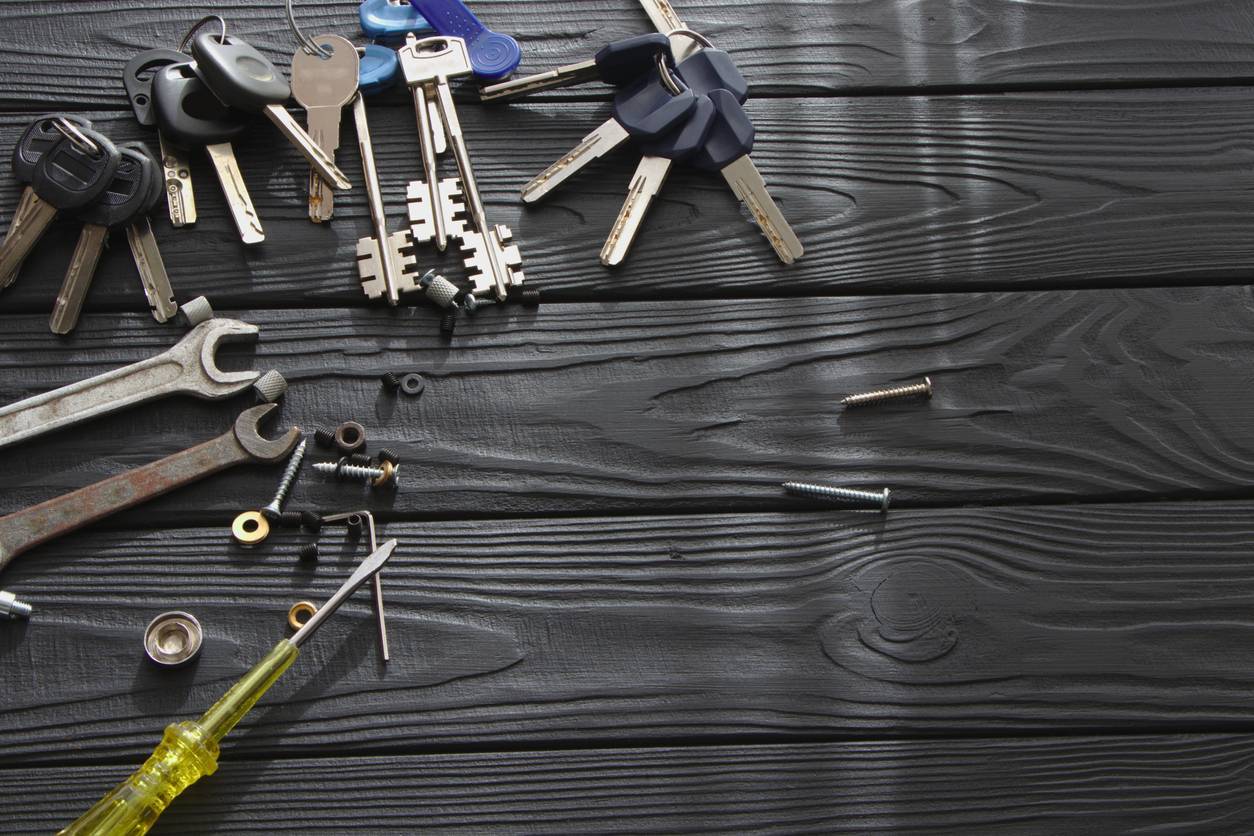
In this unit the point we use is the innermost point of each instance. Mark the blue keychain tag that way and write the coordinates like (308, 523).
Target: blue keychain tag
(384, 20)
(492, 55)
(378, 70)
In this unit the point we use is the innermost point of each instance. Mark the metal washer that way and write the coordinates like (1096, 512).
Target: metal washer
(413, 385)
(173, 638)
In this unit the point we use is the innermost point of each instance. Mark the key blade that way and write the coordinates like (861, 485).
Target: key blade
(24, 204)
(749, 187)
(384, 269)
(151, 268)
(237, 198)
(568, 76)
(78, 276)
(179, 197)
(304, 143)
(648, 180)
(324, 127)
(24, 233)
(595, 145)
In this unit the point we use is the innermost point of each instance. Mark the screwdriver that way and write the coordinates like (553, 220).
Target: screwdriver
(189, 750)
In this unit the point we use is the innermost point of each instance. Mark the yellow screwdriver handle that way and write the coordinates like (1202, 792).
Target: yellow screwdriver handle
(187, 753)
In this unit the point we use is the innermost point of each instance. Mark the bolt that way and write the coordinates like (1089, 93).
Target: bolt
(385, 473)
(13, 608)
(275, 508)
(924, 389)
(308, 552)
(879, 499)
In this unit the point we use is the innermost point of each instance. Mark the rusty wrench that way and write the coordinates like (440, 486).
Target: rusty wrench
(23, 530)
(186, 368)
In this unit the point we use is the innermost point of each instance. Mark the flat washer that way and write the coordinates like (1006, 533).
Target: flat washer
(413, 385)
(173, 638)
(350, 437)
(250, 528)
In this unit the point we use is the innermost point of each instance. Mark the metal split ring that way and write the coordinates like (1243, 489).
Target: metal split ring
(696, 36)
(300, 613)
(187, 39)
(664, 71)
(308, 44)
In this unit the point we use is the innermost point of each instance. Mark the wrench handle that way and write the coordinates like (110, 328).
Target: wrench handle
(23, 530)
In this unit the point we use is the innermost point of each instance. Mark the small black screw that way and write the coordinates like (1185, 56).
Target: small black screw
(387, 454)
(311, 521)
(291, 519)
(528, 296)
(448, 323)
(390, 381)
(309, 552)
(324, 438)
(360, 458)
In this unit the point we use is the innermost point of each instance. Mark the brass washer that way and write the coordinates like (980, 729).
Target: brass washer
(250, 528)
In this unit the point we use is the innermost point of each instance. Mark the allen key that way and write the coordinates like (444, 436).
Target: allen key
(378, 584)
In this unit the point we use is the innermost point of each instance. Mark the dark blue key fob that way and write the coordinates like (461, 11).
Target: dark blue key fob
(622, 62)
(688, 138)
(647, 109)
(378, 70)
(712, 69)
(68, 176)
(137, 79)
(731, 137)
(492, 55)
(188, 113)
(40, 136)
(389, 22)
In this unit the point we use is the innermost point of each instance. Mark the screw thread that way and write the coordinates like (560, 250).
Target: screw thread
(355, 471)
(289, 476)
(876, 498)
(923, 389)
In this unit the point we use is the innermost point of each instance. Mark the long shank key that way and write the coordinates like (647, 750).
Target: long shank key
(618, 63)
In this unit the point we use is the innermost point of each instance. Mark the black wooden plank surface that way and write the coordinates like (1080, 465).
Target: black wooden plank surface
(73, 55)
(617, 631)
(706, 406)
(1078, 785)
(889, 194)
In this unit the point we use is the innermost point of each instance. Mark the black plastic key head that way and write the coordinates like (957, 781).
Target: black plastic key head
(239, 75)
(648, 109)
(688, 138)
(155, 175)
(126, 194)
(35, 142)
(188, 113)
(712, 69)
(732, 135)
(70, 175)
(622, 62)
(137, 78)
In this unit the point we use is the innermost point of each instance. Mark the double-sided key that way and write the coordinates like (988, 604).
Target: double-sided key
(143, 243)
(645, 110)
(127, 197)
(425, 65)
(38, 137)
(244, 79)
(137, 78)
(69, 175)
(727, 152)
(617, 64)
(382, 263)
(192, 116)
(323, 85)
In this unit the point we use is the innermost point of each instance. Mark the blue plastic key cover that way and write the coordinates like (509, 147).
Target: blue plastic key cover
(688, 138)
(712, 69)
(390, 22)
(622, 62)
(378, 70)
(492, 55)
(647, 109)
(731, 138)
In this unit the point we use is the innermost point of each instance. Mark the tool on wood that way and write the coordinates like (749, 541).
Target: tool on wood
(830, 492)
(189, 750)
(275, 508)
(187, 368)
(12, 608)
(173, 639)
(354, 520)
(922, 389)
(492, 55)
(23, 530)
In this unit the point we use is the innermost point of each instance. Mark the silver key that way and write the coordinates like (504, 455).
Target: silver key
(430, 127)
(319, 159)
(595, 145)
(749, 187)
(648, 180)
(78, 276)
(24, 205)
(151, 268)
(25, 230)
(179, 196)
(422, 215)
(666, 20)
(323, 86)
(222, 155)
(570, 75)
(487, 250)
(382, 264)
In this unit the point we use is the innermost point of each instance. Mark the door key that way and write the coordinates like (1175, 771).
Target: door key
(323, 86)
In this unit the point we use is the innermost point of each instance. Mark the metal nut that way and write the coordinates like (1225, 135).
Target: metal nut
(413, 385)
(350, 437)
(250, 528)
(173, 639)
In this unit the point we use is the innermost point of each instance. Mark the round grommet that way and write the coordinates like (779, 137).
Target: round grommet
(173, 639)
(250, 528)
(300, 612)
(350, 437)
(413, 384)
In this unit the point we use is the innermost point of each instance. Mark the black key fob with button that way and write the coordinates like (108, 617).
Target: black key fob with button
(237, 73)
(137, 78)
(68, 176)
(188, 113)
(35, 142)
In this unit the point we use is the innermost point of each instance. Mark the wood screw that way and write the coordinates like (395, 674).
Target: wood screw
(873, 498)
(923, 389)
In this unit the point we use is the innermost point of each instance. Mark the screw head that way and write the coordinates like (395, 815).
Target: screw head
(927, 381)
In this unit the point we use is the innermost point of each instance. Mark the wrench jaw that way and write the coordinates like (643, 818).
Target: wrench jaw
(203, 341)
(247, 433)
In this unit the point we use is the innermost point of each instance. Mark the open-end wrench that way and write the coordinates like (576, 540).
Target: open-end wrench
(23, 530)
(187, 368)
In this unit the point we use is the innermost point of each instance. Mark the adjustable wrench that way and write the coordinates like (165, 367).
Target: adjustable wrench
(23, 530)
(186, 368)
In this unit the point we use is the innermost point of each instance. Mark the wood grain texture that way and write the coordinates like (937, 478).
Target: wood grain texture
(615, 631)
(1078, 785)
(705, 406)
(888, 194)
(74, 54)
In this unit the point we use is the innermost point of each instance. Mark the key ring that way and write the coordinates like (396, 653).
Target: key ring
(71, 132)
(691, 35)
(306, 43)
(664, 71)
(206, 19)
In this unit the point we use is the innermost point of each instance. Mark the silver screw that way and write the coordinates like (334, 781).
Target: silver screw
(12, 608)
(379, 476)
(923, 389)
(875, 498)
(275, 508)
